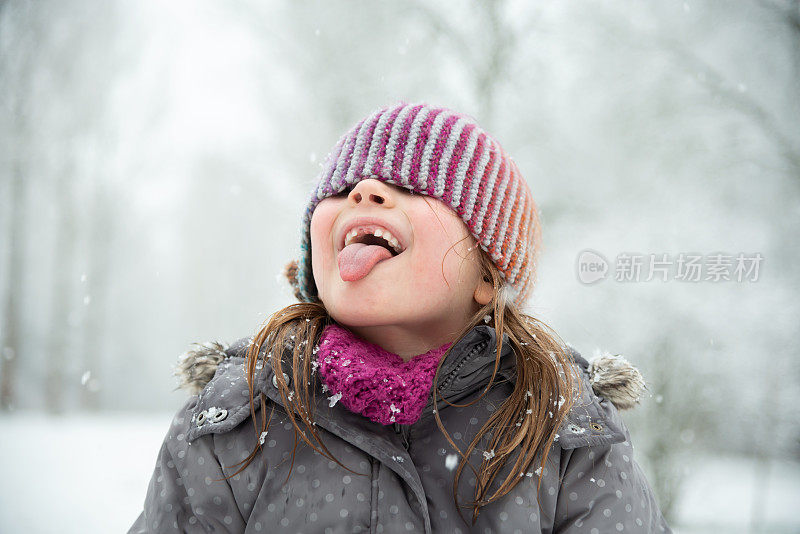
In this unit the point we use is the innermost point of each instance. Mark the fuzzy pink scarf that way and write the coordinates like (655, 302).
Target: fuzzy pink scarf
(372, 381)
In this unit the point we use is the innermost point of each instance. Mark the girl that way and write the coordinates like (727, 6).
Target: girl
(406, 391)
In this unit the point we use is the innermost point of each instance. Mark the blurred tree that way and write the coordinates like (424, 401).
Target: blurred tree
(18, 55)
(53, 49)
(485, 40)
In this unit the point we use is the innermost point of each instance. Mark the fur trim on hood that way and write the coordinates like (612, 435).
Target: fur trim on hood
(611, 376)
(614, 378)
(196, 367)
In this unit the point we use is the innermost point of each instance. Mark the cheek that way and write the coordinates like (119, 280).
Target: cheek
(321, 225)
(444, 257)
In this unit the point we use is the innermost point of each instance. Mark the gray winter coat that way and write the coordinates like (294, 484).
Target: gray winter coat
(591, 483)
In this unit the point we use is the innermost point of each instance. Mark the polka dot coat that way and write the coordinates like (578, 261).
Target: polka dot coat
(400, 477)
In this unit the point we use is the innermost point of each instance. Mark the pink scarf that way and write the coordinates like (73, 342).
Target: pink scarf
(374, 382)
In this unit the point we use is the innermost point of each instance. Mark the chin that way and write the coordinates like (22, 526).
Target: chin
(364, 315)
(351, 309)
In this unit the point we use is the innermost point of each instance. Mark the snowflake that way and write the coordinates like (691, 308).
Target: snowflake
(538, 471)
(334, 399)
(488, 454)
(262, 438)
(451, 461)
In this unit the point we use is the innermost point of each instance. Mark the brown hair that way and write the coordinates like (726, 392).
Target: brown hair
(527, 421)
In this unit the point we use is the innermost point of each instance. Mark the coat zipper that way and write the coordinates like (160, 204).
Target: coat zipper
(444, 384)
(403, 433)
(452, 374)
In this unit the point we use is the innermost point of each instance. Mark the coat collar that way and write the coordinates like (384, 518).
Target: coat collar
(215, 372)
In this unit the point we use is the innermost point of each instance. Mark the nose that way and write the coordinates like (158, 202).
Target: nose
(370, 192)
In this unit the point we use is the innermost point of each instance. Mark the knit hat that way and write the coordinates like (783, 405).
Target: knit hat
(443, 154)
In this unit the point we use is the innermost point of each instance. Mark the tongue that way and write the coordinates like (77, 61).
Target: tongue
(357, 260)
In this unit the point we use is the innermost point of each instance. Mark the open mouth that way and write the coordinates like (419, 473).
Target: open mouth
(374, 235)
(363, 247)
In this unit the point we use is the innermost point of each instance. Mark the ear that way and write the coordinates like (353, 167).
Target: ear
(484, 293)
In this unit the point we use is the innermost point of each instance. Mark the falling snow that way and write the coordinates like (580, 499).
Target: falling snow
(736, 84)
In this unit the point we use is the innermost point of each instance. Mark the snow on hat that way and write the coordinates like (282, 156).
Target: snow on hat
(446, 155)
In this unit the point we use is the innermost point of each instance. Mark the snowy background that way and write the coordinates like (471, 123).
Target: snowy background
(155, 158)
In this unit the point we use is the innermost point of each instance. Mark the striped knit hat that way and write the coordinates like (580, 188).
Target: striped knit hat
(446, 155)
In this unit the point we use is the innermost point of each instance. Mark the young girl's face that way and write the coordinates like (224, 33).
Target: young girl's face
(428, 288)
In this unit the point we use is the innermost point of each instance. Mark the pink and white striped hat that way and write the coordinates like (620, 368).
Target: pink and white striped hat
(444, 154)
